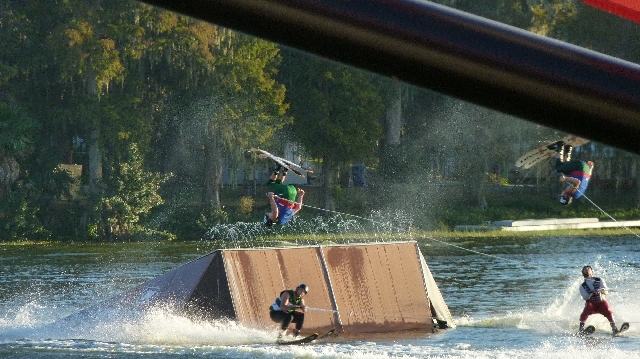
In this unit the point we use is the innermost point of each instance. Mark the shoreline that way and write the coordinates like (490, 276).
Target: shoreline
(419, 236)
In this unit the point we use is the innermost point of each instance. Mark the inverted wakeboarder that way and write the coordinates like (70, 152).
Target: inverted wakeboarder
(575, 174)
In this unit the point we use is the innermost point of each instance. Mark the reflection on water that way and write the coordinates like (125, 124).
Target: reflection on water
(523, 307)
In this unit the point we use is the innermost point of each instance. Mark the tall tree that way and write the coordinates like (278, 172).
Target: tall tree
(239, 105)
(254, 102)
(338, 114)
(88, 62)
(132, 194)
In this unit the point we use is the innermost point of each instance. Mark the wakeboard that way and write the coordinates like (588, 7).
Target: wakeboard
(541, 153)
(291, 166)
(308, 339)
(304, 340)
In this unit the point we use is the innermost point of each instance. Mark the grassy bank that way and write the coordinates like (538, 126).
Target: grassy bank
(426, 239)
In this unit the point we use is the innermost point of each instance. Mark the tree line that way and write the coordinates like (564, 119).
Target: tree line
(151, 106)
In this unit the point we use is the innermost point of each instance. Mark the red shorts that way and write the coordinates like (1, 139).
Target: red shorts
(596, 308)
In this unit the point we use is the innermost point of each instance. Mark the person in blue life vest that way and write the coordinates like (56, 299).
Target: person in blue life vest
(575, 174)
(593, 291)
(289, 308)
(285, 200)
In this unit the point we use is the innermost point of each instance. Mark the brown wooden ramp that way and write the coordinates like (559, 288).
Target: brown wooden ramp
(361, 288)
(366, 288)
(257, 276)
(378, 288)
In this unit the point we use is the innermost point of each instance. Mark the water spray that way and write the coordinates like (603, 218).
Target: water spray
(430, 238)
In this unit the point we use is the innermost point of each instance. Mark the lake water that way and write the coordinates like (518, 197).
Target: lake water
(522, 301)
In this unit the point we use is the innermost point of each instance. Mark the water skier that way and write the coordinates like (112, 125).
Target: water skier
(593, 291)
(289, 308)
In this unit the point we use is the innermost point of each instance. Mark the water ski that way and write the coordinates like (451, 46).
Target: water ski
(535, 156)
(623, 328)
(307, 339)
(291, 166)
(587, 331)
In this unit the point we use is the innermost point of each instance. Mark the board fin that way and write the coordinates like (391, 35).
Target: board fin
(327, 334)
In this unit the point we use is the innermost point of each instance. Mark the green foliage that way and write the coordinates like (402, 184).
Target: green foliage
(121, 66)
(18, 215)
(246, 205)
(212, 218)
(86, 55)
(238, 105)
(338, 111)
(17, 130)
(496, 178)
(131, 193)
(18, 198)
(549, 16)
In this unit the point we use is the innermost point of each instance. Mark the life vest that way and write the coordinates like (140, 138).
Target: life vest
(292, 295)
(597, 282)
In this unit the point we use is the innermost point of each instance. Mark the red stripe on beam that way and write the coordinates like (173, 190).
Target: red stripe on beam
(628, 9)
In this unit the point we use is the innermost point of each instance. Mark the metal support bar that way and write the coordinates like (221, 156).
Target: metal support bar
(472, 58)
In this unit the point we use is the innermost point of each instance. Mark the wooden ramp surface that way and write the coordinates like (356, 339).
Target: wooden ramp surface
(354, 288)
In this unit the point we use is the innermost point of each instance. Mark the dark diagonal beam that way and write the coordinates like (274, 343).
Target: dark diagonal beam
(478, 60)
